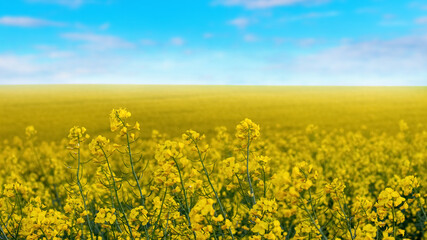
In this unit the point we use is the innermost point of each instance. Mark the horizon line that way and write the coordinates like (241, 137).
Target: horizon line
(207, 85)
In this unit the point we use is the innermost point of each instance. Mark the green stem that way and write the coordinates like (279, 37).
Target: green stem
(264, 181)
(247, 169)
(160, 214)
(313, 220)
(244, 195)
(18, 199)
(133, 170)
(187, 214)
(112, 205)
(81, 189)
(5, 225)
(4, 234)
(394, 221)
(165, 231)
(213, 188)
(422, 208)
(346, 218)
(116, 194)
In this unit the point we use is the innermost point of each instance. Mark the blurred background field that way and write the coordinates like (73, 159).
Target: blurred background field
(54, 109)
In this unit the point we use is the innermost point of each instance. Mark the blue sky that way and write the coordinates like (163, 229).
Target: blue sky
(255, 42)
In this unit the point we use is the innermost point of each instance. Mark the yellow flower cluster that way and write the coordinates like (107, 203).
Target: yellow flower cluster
(76, 136)
(305, 184)
(98, 146)
(247, 130)
(105, 217)
(118, 118)
(139, 216)
(202, 216)
(30, 131)
(390, 205)
(409, 185)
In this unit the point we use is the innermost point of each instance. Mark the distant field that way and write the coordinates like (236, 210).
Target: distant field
(293, 182)
(53, 109)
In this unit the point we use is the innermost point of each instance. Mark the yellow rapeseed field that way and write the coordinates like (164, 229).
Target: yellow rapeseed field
(121, 162)
(53, 109)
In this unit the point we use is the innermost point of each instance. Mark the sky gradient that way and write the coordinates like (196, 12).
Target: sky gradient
(253, 42)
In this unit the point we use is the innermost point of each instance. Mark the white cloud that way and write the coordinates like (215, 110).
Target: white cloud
(53, 52)
(60, 54)
(389, 16)
(386, 62)
(148, 42)
(77, 67)
(13, 64)
(311, 15)
(400, 61)
(98, 42)
(104, 26)
(208, 35)
(240, 22)
(23, 21)
(366, 10)
(177, 41)
(421, 20)
(418, 5)
(105, 68)
(307, 42)
(250, 38)
(68, 3)
(391, 20)
(280, 40)
(301, 42)
(253, 4)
